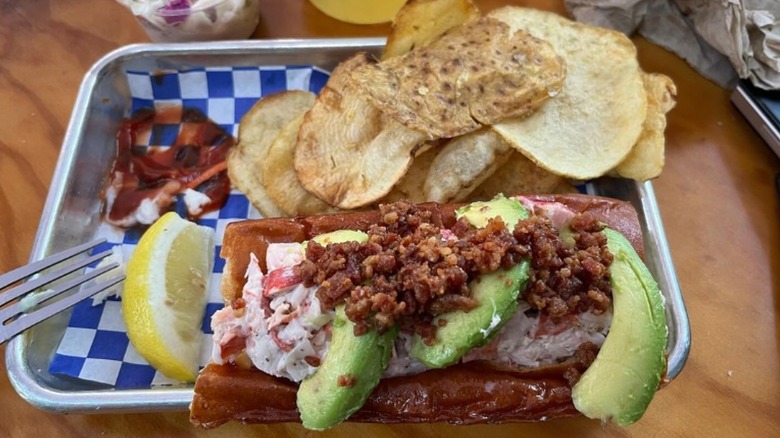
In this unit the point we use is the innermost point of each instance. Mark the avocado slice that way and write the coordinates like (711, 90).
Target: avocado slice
(622, 380)
(349, 373)
(479, 213)
(351, 368)
(341, 236)
(496, 293)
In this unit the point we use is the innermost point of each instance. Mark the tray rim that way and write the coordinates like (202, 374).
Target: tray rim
(177, 399)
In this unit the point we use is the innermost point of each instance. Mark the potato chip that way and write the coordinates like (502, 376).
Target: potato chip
(257, 130)
(474, 75)
(646, 159)
(519, 175)
(411, 185)
(463, 163)
(349, 153)
(279, 176)
(419, 22)
(591, 125)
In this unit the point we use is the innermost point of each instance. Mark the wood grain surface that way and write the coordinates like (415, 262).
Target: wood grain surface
(717, 200)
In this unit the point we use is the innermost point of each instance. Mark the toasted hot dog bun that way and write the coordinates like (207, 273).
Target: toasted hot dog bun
(474, 392)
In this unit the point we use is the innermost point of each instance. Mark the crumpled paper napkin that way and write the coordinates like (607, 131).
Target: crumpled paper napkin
(724, 40)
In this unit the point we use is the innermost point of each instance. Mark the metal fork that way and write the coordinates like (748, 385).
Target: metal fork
(11, 326)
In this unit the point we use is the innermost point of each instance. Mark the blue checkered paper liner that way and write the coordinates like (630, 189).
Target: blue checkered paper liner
(95, 346)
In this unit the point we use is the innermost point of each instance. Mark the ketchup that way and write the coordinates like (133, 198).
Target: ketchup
(196, 160)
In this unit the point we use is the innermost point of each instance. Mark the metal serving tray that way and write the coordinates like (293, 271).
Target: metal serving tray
(72, 211)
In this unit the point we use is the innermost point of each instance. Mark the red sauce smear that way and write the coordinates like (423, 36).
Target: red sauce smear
(196, 160)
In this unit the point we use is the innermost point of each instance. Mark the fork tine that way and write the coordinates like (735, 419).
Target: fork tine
(16, 308)
(25, 271)
(10, 295)
(30, 319)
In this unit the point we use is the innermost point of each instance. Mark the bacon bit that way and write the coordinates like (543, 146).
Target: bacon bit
(232, 346)
(312, 360)
(279, 280)
(548, 326)
(284, 346)
(347, 380)
(583, 357)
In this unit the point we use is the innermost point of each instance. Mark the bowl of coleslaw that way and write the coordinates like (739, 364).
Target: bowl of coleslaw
(171, 21)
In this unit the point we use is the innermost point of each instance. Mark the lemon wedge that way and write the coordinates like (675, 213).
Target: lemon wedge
(165, 294)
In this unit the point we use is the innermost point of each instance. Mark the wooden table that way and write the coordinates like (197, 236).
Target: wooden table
(717, 199)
